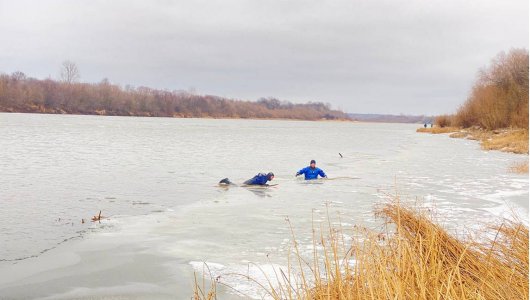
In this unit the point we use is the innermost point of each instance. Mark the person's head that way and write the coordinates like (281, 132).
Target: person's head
(270, 176)
(313, 164)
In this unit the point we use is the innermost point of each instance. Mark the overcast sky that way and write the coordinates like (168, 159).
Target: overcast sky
(365, 56)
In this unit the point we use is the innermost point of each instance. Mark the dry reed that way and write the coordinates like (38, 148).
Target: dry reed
(438, 130)
(515, 141)
(506, 140)
(412, 258)
(203, 292)
(520, 167)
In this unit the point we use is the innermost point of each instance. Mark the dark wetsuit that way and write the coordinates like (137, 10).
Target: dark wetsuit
(260, 179)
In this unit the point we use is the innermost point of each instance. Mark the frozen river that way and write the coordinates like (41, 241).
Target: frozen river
(156, 181)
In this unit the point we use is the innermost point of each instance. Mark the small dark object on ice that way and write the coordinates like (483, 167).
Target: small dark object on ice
(225, 181)
(97, 218)
(340, 155)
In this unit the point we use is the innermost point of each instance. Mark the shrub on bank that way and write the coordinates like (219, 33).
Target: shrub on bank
(499, 98)
(443, 121)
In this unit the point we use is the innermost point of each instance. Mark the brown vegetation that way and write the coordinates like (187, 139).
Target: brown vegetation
(461, 134)
(515, 141)
(19, 93)
(499, 98)
(521, 167)
(506, 140)
(496, 112)
(412, 259)
(443, 121)
(438, 130)
(97, 218)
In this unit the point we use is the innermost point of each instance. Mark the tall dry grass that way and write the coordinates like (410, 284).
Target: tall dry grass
(515, 141)
(520, 167)
(204, 290)
(412, 258)
(438, 130)
(506, 140)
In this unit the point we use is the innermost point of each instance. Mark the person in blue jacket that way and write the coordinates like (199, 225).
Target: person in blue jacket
(312, 171)
(260, 179)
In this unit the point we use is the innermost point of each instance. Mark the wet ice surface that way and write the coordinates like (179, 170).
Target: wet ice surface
(156, 180)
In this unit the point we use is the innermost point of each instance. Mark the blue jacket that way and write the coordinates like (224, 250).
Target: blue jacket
(260, 179)
(311, 173)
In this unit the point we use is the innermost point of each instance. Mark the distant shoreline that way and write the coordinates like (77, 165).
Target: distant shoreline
(348, 120)
(180, 117)
(19, 93)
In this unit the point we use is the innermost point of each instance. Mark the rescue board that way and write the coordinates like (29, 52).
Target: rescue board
(255, 186)
(249, 186)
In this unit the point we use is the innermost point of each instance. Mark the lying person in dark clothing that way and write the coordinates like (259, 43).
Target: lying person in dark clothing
(259, 179)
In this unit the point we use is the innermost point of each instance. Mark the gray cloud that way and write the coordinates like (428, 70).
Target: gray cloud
(416, 57)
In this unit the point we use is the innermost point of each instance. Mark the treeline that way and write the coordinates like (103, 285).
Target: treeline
(499, 98)
(379, 118)
(19, 93)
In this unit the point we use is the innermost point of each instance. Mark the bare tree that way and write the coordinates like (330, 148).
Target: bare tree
(69, 72)
(18, 76)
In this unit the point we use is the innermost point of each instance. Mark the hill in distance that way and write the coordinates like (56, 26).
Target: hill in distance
(383, 118)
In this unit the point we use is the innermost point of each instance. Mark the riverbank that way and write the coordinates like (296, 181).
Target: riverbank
(411, 258)
(47, 111)
(506, 140)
